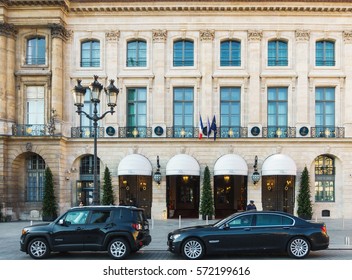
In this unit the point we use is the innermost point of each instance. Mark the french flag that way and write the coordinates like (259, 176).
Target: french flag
(201, 127)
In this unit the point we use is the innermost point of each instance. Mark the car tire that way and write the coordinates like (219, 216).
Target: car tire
(118, 249)
(193, 249)
(38, 248)
(298, 247)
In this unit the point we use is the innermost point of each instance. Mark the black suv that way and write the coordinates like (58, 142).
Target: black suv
(119, 230)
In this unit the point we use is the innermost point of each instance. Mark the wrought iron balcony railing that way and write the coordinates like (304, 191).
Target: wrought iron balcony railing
(86, 132)
(328, 132)
(30, 130)
(279, 132)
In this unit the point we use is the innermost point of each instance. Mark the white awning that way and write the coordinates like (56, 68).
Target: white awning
(230, 164)
(182, 164)
(279, 164)
(135, 164)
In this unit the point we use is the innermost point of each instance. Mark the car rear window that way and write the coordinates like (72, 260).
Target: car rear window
(273, 220)
(99, 216)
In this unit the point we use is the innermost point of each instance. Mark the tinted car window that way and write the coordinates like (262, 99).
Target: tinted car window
(76, 217)
(99, 217)
(242, 221)
(272, 220)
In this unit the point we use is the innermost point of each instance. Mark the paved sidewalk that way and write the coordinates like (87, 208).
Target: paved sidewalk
(340, 231)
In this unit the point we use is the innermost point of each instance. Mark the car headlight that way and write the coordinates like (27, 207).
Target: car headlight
(175, 236)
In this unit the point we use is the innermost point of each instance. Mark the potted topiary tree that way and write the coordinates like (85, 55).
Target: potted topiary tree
(207, 203)
(49, 209)
(108, 194)
(304, 210)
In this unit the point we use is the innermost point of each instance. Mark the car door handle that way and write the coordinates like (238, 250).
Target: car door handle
(247, 229)
(79, 228)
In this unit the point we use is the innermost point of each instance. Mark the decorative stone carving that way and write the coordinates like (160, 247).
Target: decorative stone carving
(29, 147)
(255, 35)
(112, 36)
(207, 35)
(302, 35)
(159, 36)
(59, 31)
(347, 37)
(8, 30)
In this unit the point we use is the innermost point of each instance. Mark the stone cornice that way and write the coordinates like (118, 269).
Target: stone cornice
(106, 6)
(8, 30)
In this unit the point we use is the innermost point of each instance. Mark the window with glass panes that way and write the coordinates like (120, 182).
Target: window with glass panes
(230, 112)
(35, 105)
(183, 112)
(136, 53)
(230, 53)
(324, 179)
(35, 178)
(277, 53)
(90, 53)
(136, 112)
(277, 112)
(35, 51)
(325, 53)
(183, 53)
(325, 111)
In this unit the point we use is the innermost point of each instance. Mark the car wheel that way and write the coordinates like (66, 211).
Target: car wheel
(38, 248)
(193, 249)
(118, 249)
(298, 248)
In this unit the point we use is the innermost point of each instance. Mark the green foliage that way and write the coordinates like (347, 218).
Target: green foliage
(108, 194)
(304, 199)
(207, 203)
(49, 201)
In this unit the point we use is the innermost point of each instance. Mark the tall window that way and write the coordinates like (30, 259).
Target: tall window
(35, 105)
(35, 178)
(86, 125)
(35, 51)
(136, 112)
(325, 112)
(136, 54)
(324, 179)
(230, 112)
(90, 53)
(230, 53)
(183, 53)
(183, 112)
(277, 112)
(325, 53)
(87, 165)
(277, 53)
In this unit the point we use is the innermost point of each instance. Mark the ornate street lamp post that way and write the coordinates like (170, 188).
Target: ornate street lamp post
(95, 89)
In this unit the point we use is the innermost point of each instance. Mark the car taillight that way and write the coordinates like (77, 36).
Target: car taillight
(137, 226)
(323, 229)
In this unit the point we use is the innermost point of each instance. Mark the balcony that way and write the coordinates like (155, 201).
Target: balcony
(86, 132)
(30, 130)
(328, 132)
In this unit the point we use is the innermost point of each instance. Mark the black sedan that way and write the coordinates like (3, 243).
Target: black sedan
(252, 231)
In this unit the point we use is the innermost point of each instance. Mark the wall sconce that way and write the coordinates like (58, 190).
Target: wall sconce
(270, 185)
(256, 174)
(157, 174)
(185, 179)
(226, 179)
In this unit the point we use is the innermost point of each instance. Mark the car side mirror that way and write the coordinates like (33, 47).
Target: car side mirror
(226, 226)
(62, 222)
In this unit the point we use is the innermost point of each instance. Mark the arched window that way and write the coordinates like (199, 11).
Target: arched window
(325, 53)
(35, 166)
(90, 53)
(230, 53)
(277, 53)
(35, 54)
(324, 179)
(183, 53)
(136, 54)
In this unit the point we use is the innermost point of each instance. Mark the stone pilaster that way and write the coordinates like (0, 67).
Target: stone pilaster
(301, 67)
(58, 36)
(254, 68)
(158, 64)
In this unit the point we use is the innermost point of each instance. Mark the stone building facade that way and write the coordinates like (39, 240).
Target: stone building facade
(271, 78)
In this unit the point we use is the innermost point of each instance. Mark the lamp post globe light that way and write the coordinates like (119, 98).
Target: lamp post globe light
(95, 90)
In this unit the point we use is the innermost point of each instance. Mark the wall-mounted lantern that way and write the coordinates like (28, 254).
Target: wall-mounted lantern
(256, 174)
(157, 174)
